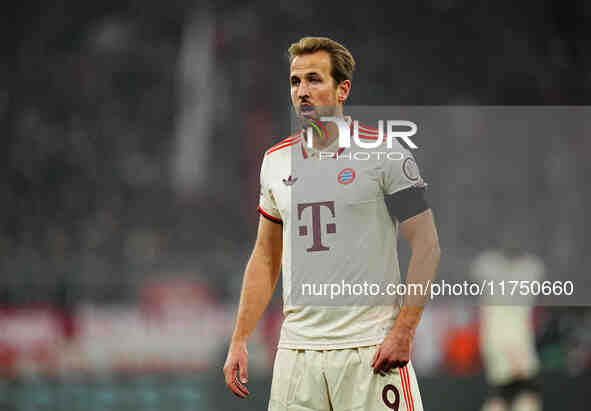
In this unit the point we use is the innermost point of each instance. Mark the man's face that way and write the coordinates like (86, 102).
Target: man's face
(313, 91)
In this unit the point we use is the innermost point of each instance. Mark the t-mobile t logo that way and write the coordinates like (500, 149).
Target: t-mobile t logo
(331, 228)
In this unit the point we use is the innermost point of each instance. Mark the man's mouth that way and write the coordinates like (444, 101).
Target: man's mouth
(306, 109)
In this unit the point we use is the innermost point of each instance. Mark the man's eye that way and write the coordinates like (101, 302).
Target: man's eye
(295, 82)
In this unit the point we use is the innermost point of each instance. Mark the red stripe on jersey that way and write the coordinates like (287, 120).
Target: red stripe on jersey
(367, 129)
(339, 151)
(412, 403)
(286, 140)
(363, 136)
(304, 152)
(367, 133)
(280, 146)
(269, 216)
(406, 400)
(408, 388)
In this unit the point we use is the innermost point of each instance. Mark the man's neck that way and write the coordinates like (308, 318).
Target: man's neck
(332, 133)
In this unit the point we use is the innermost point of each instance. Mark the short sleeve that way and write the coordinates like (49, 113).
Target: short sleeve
(267, 205)
(400, 171)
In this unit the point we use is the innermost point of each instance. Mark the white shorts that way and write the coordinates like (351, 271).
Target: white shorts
(340, 380)
(507, 342)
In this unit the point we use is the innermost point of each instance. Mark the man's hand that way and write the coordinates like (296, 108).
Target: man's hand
(236, 369)
(395, 350)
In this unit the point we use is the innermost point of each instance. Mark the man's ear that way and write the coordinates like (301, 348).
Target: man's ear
(343, 90)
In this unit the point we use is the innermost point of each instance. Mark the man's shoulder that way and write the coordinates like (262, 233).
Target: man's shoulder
(283, 145)
(365, 133)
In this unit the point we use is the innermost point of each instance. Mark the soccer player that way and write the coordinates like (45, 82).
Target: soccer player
(326, 220)
(507, 336)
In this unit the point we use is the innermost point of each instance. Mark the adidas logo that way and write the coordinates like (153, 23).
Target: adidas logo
(290, 180)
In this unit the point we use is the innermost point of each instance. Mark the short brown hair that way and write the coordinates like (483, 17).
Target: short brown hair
(342, 62)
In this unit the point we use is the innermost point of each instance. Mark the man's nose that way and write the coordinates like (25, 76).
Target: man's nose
(303, 90)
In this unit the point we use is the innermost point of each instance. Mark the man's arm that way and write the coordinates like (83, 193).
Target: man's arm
(421, 234)
(260, 278)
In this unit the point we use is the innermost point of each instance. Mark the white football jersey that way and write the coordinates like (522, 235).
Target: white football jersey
(506, 331)
(336, 230)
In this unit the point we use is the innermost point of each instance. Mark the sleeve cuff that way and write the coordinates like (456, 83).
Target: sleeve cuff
(269, 216)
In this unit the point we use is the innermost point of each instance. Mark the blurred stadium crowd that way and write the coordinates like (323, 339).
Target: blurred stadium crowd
(132, 136)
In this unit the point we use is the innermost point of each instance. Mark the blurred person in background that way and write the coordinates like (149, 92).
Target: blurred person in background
(342, 357)
(507, 337)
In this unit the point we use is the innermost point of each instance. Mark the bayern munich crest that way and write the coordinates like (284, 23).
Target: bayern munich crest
(410, 169)
(346, 176)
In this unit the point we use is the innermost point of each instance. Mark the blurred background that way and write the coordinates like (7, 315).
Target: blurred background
(132, 135)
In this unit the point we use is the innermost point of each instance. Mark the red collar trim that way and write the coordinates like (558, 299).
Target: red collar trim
(339, 151)
(304, 152)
